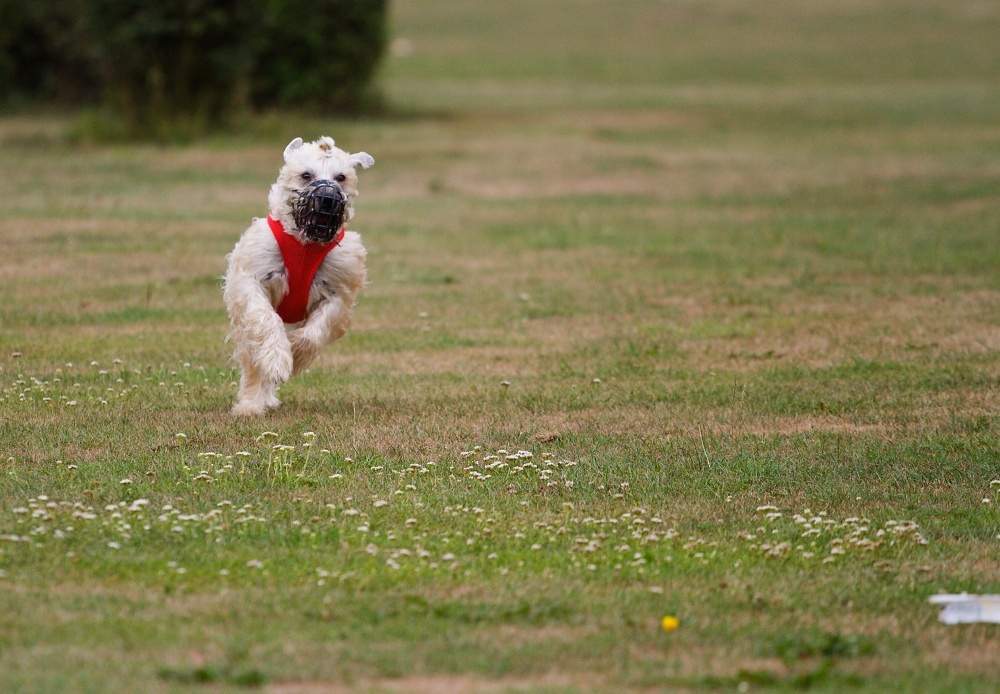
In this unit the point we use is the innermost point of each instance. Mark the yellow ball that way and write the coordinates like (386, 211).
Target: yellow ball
(669, 622)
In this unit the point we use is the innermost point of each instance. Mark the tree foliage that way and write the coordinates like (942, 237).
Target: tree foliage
(156, 64)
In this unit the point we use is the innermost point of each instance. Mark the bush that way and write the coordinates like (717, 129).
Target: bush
(165, 64)
(176, 68)
(317, 54)
(44, 54)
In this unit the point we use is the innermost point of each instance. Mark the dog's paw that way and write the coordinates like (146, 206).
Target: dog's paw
(271, 402)
(249, 408)
(278, 368)
(303, 353)
(314, 335)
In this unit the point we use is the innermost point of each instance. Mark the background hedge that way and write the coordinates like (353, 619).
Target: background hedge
(318, 54)
(151, 66)
(45, 55)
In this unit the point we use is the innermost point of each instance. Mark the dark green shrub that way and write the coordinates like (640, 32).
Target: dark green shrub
(44, 54)
(317, 54)
(175, 68)
(168, 65)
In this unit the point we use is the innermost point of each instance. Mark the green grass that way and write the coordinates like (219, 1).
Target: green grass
(723, 256)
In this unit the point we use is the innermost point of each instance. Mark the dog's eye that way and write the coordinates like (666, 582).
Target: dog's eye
(340, 178)
(306, 176)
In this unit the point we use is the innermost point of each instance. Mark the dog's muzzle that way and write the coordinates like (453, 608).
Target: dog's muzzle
(319, 211)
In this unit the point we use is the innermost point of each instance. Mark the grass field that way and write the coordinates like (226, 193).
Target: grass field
(676, 308)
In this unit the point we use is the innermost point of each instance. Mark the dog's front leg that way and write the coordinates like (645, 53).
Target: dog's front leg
(327, 323)
(262, 347)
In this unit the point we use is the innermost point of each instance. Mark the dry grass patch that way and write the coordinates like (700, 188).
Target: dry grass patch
(449, 684)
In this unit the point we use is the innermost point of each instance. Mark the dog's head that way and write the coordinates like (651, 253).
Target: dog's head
(315, 191)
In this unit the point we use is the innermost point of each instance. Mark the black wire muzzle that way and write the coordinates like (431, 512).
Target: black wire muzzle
(319, 211)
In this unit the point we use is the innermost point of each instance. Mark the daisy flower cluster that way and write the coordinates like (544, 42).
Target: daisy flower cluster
(506, 465)
(479, 510)
(115, 525)
(95, 384)
(815, 535)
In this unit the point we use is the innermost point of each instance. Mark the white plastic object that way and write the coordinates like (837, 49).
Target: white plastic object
(965, 608)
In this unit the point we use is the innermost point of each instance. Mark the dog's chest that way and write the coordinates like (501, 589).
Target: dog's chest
(333, 278)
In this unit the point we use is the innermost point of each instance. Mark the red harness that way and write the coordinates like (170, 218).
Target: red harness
(302, 261)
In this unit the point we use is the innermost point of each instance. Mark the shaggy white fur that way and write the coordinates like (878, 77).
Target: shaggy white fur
(268, 351)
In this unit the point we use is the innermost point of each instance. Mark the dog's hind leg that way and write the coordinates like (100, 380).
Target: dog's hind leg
(327, 323)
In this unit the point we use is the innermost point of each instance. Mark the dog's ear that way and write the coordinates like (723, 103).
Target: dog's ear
(292, 146)
(365, 160)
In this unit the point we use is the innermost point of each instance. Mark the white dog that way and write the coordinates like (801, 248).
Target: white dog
(292, 278)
